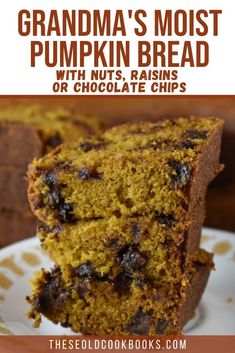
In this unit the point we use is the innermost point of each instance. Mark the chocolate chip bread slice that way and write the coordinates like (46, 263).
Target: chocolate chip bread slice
(92, 305)
(135, 169)
(155, 248)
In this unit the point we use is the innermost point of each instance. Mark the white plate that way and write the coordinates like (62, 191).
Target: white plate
(215, 314)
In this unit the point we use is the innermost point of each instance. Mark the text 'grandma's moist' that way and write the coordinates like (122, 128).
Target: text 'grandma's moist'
(113, 25)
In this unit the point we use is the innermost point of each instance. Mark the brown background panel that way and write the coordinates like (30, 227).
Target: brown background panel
(188, 344)
(221, 197)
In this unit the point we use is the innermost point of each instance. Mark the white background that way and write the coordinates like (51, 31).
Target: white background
(18, 78)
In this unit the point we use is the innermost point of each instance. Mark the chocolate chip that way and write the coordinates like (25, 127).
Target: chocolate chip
(139, 281)
(166, 219)
(49, 179)
(56, 230)
(83, 287)
(54, 140)
(117, 213)
(53, 198)
(196, 134)
(87, 174)
(84, 174)
(122, 283)
(56, 202)
(88, 146)
(53, 195)
(84, 270)
(162, 325)
(53, 295)
(129, 203)
(182, 173)
(66, 212)
(104, 278)
(136, 231)
(65, 324)
(187, 144)
(140, 323)
(44, 229)
(112, 244)
(130, 258)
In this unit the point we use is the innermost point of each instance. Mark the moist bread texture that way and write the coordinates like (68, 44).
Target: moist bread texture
(130, 170)
(94, 306)
(122, 214)
(117, 247)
